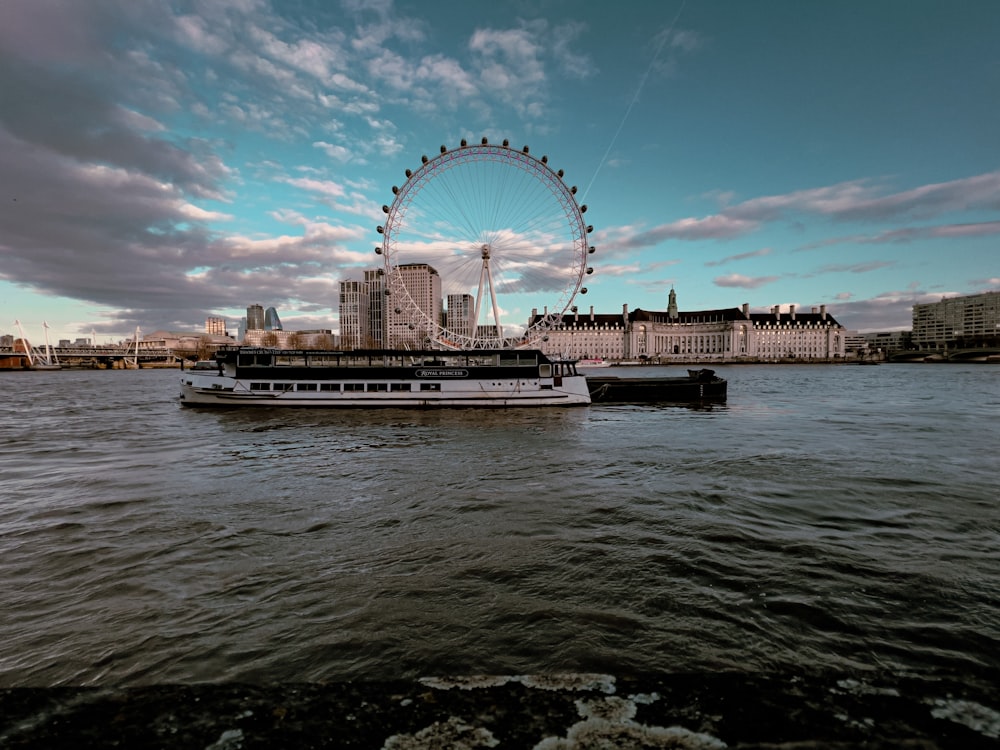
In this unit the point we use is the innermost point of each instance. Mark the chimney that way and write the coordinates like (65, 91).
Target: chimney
(822, 311)
(746, 310)
(625, 309)
(791, 311)
(812, 310)
(776, 310)
(591, 312)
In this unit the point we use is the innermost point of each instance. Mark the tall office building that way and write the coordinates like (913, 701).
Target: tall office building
(405, 327)
(376, 325)
(215, 326)
(353, 311)
(458, 316)
(271, 320)
(255, 318)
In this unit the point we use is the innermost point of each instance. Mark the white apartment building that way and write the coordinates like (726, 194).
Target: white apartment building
(405, 327)
(353, 314)
(958, 322)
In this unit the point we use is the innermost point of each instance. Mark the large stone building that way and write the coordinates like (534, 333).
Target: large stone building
(731, 334)
(958, 322)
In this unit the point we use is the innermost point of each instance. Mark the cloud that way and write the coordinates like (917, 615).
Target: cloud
(857, 200)
(743, 282)
(856, 267)
(742, 256)
(904, 235)
(627, 239)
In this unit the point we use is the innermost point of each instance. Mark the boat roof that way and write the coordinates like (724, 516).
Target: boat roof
(379, 352)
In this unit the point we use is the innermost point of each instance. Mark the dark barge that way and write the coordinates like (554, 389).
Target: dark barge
(700, 386)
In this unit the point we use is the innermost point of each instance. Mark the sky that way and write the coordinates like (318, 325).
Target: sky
(164, 161)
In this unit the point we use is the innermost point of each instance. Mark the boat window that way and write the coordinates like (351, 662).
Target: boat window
(329, 386)
(430, 386)
(254, 360)
(378, 386)
(518, 359)
(484, 360)
(323, 360)
(289, 360)
(545, 371)
(354, 360)
(260, 386)
(399, 387)
(354, 386)
(306, 387)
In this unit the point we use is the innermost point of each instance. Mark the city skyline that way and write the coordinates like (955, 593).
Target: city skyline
(165, 163)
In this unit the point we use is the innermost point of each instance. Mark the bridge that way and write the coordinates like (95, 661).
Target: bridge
(106, 357)
(978, 354)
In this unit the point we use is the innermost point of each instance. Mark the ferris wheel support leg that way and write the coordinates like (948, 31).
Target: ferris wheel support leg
(493, 299)
(479, 298)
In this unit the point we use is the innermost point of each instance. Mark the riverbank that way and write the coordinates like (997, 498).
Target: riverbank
(790, 710)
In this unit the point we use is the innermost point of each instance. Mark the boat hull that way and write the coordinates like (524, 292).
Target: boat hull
(699, 387)
(213, 391)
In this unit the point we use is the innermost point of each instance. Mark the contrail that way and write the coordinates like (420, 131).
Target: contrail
(635, 98)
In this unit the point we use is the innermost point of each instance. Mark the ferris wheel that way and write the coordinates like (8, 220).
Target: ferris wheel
(484, 246)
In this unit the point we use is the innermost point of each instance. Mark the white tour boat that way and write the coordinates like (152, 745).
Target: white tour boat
(247, 376)
(593, 362)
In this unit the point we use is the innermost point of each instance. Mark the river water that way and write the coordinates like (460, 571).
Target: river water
(833, 517)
